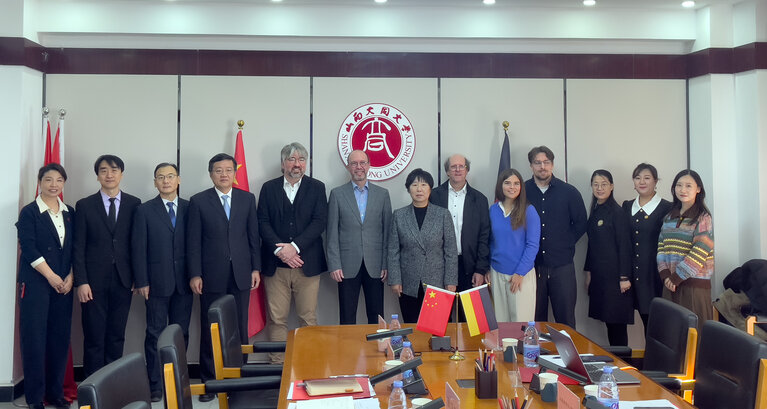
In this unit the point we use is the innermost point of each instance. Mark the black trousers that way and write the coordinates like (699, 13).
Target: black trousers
(45, 325)
(411, 306)
(104, 320)
(617, 334)
(161, 312)
(559, 285)
(349, 294)
(242, 299)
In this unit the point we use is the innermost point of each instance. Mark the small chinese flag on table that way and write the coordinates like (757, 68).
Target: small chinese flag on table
(478, 307)
(435, 311)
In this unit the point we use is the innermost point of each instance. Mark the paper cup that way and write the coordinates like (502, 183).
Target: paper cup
(547, 378)
(591, 390)
(418, 402)
(391, 364)
(509, 342)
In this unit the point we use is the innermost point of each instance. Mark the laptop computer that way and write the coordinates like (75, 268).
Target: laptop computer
(576, 368)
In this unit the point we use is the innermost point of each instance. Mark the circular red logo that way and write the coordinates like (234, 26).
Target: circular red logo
(384, 133)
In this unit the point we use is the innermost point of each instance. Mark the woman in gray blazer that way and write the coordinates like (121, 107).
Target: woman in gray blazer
(422, 247)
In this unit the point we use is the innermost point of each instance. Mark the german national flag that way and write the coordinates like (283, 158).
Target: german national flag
(478, 307)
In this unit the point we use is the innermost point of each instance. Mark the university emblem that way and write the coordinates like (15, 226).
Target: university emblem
(384, 133)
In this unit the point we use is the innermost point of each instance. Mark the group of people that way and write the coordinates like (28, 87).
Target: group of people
(222, 241)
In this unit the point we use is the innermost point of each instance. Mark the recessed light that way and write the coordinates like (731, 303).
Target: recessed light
(688, 4)
(589, 2)
(488, 2)
(380, 1)
(276, 1)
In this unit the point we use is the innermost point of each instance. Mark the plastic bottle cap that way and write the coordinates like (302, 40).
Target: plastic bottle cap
(409, 372)
(397, 384)
(395, 316)
(531, 323)
(607, 369)
(406, 344)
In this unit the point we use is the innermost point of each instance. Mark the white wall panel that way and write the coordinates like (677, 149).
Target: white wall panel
(615, 125)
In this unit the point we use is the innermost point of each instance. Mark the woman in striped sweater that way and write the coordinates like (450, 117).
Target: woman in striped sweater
(686, 247)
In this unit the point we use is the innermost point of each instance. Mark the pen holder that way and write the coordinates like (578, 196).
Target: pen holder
(486, 384)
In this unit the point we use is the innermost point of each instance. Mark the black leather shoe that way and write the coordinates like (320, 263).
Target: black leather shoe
(207, 397)
(59, 403)
(156, 396)
(36, 406)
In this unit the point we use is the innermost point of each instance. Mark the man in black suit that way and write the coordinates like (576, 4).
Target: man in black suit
(222, 251)
(471, 220)
(101, 263)
(292, 214)
(159, 265)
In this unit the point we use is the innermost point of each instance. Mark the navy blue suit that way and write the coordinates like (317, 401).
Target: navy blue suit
(46, 315)
(159, 261)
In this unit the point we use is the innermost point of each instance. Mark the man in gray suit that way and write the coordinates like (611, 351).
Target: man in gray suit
(359, 215)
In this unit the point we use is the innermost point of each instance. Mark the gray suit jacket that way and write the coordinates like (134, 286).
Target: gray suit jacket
(349, 239)
(427, 255)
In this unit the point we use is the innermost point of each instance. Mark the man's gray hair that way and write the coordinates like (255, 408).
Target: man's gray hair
(447, 163)
(291, 148)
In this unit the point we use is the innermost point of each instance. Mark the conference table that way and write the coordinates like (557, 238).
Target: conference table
(321, 351)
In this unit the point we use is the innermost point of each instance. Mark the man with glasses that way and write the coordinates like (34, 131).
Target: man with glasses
(563, 222)
(359, 215)
(292, 214)
(159, 265)
(223, 254)
(471, 221)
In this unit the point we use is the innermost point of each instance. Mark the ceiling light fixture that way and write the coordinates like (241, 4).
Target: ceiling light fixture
(488, 2)
(688, 4)
(380, 1)
(589, 2)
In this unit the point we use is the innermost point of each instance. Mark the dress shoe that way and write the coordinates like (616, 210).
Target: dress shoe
(156, 396)
(59, 403)
(36, 406)
(207, 397)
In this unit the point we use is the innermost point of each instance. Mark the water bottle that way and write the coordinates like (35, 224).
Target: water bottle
(394, 323)
(408, 377)
(396, 342)
(531, 347)
(407, 352)
(397, 398)
(607, 394)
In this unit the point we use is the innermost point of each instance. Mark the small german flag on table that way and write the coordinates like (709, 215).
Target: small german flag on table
(478, 307)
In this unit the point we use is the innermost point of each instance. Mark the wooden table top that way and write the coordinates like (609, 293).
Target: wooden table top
(322, 351)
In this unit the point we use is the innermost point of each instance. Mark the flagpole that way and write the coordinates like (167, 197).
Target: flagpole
(457, 354)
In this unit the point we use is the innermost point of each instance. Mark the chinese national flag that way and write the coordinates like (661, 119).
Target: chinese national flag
(435, 311)
(47, 151)
(256, 310)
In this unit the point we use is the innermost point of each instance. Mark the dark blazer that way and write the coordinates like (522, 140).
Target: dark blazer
(159, 249)
(214, 243)
(97, 247)
(39, 238)
(475, 232)
(303, 226)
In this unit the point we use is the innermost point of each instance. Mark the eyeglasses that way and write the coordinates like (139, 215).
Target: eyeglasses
(600, 185)
(293, 159)
(542, 162)
(361, 164)
(457, 167)
(170, 178)
(220, 171)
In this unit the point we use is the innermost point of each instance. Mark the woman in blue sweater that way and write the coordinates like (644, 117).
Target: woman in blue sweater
(516, 231)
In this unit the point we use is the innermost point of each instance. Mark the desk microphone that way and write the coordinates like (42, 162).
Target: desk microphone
(395, 371)
(389, 334)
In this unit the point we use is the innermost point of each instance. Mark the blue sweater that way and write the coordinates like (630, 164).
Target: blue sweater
(513, 251)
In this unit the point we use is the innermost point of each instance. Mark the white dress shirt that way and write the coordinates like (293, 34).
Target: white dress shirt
(455, 202)
(58, 222)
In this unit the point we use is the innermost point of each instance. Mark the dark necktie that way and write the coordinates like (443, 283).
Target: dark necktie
(172, 214)
(112, 212)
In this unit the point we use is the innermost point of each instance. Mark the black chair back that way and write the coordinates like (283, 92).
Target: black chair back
(224, 312)
(116, 385)
(171, 348)
(666, 339)
(727, 371)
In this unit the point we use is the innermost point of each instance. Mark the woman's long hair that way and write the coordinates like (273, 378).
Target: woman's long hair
(518, 213)
(698, 208)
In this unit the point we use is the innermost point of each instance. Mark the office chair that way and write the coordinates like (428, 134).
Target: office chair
(178, 388)
(731, 369)
(121, 384)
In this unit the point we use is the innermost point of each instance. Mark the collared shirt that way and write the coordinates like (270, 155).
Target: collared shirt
(291, 190)
(58, 222)
(220, 198)
(175, 203)
(361, 194)
(648, 207)
(105, 198)
(455, 202)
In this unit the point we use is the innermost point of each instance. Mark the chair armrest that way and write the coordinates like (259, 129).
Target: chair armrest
(242, 384)
(622, 352)
(672, 384)
(250, 370)
(137, 405)
(265, 346)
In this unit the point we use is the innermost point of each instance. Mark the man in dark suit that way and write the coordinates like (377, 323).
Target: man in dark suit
(101, 262)
(359, 217)
(292, 214)
(471, 221)
(222, 251)
(159, 265)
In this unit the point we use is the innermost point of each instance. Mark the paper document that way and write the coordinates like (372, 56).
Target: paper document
(657, 403)
(333, 403)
